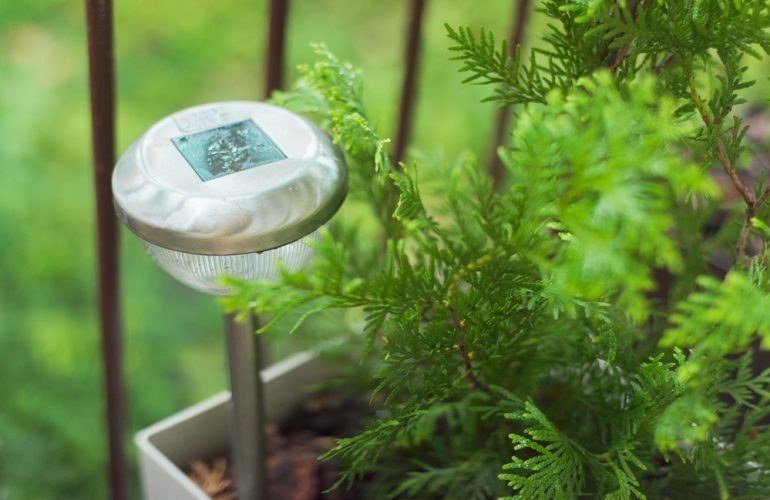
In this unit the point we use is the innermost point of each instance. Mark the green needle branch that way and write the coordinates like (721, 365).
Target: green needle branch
(523, 341)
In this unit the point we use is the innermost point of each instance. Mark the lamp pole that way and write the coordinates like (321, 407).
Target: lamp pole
(247, 412)
(232, 188)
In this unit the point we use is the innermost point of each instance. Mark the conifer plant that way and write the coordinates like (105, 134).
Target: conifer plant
(563, 334)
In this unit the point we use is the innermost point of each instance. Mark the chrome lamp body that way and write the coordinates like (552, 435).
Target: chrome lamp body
(231, 188)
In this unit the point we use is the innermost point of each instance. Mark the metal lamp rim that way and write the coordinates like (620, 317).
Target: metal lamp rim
(247, 211)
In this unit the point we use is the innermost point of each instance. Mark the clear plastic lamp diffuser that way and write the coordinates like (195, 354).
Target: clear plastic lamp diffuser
(202, 272)
(229, 188)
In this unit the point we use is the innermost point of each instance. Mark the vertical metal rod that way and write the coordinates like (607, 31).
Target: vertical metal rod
(247, 419)
(502, 118)
(276, 43)
(411, 58)
(101, 81)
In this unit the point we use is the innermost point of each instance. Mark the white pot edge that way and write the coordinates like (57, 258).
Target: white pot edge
(162, 479)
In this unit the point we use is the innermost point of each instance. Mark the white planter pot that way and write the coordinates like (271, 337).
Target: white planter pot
(201, 431)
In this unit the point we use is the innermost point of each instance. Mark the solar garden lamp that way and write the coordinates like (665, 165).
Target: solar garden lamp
(231, 188)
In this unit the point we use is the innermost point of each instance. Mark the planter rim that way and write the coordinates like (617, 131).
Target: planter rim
(143, 438)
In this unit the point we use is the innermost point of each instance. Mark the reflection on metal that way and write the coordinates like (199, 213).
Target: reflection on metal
(166, 203)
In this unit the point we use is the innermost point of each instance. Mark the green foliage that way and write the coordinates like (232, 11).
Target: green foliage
(331, 90)
(555, 464)
(678, 36)
(523, 339)
(619, 179)
(52, 439)
(710, 323)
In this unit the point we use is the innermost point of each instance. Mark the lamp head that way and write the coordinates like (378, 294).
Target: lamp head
(229, 188)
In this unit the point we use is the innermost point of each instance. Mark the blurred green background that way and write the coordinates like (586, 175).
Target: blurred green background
(169, 56)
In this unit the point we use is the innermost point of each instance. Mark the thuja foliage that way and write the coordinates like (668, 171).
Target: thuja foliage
(564, 335)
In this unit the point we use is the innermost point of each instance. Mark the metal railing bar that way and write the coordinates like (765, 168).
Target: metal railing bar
(102, 92)
(411, 58)
(276, 45)
(503, 115)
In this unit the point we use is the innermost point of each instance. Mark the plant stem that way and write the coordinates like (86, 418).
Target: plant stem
(752, 204)
(625, 51)
(657, 68)
(719, 148)
(763, 197)
(621, 56)
(743, 238)
(460, 343)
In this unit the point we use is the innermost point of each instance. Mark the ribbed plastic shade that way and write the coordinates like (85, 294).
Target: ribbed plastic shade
(202, 272)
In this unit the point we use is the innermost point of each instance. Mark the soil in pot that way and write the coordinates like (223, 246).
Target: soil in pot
(293, 446)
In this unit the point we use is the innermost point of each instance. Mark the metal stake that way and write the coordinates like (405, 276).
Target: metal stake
(101, 72)
(247, 408)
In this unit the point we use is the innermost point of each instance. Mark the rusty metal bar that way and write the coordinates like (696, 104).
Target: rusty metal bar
(411, 58)
(102, 87)
(502, 118)
(276, 45)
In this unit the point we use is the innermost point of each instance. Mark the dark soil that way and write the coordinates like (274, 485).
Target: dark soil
(293, 469)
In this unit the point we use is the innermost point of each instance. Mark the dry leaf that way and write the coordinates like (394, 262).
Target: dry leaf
(213, 480)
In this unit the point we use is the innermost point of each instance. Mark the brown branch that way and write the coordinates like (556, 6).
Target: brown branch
(460, 343)
(625, 51)
(763, 197)
(743, 238)
(621, 56)
(727, 165)
(657, 68)
(752, 203)
(719, 148)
